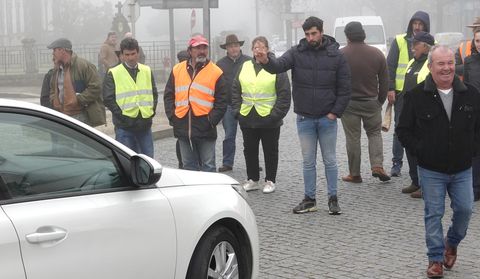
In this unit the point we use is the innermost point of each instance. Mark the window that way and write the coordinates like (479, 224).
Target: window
(39, 157)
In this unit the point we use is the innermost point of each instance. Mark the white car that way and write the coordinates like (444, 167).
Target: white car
(75, 203)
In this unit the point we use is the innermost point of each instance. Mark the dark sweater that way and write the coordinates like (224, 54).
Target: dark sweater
(369, 71)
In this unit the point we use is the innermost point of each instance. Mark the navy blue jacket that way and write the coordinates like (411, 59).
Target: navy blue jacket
(320, 77)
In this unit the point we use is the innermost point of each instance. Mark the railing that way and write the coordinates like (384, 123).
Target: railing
(12, 58)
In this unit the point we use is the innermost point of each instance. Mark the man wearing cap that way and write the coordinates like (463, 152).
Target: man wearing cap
(398, 56)
(440, 125)
(417, 71)
(369, 91)
(107, 57)
(195, 100)
(75, 85)
(230, 65)
(130, 93)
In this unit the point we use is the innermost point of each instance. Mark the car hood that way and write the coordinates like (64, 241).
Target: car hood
(176, 177)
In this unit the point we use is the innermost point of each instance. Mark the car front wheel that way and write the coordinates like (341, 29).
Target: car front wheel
(218, 255)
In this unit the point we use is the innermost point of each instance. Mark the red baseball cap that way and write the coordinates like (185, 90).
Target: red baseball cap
(197, 40)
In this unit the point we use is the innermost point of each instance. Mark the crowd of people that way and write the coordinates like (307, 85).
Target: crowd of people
(434, 91)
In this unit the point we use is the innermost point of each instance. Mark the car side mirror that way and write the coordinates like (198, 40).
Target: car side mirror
(144, 170)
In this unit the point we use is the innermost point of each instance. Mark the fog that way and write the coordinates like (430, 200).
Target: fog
(88, 21)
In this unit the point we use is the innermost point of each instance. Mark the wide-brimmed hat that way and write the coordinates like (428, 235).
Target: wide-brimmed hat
(231, 39)
(476, 23)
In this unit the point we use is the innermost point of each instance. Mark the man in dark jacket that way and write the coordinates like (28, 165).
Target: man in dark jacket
(195, 100)
(129, 91)
(440, 124)
(398, 56)
(321, 91)
(369, 92)
(230, 65)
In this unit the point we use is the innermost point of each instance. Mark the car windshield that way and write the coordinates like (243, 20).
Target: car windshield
(374, 33)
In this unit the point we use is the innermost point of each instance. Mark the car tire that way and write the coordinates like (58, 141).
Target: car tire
(219, 255)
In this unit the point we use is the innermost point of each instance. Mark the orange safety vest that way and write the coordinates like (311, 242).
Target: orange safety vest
(197, 94)
(465, 50)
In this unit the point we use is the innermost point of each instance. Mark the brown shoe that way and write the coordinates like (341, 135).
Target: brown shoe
(450, 256)
(417, 194)
(410, 189)
(435, 270)
(352, 178)
(380, 173)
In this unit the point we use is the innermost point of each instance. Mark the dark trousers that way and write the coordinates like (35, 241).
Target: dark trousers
(412, 167)
(269, 138)
(476, 178)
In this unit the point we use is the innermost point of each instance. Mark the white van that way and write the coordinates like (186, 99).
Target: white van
(374, 30)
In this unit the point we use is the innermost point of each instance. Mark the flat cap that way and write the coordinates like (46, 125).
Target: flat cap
(425, 37)
(60, 43)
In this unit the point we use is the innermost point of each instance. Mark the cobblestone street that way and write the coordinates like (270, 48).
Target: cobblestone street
(379, 235)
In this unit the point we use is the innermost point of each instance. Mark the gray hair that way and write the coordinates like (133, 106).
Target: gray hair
(443, 48)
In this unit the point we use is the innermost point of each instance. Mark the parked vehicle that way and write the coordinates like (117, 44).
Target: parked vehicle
(75, 203)
(374, 31)
(451, 39)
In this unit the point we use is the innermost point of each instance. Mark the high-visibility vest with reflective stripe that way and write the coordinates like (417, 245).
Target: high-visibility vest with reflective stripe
(257, 90)
(424, 71)
(403, 59)
(133, 97)
(465, 49)
(197, 94)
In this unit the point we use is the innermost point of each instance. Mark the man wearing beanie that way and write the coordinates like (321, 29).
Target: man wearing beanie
(369, 91)
(417, 71)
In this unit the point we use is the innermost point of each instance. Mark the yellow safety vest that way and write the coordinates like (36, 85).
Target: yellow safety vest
(257, 90)
(133, 97)
(403, 59)
(424, 71)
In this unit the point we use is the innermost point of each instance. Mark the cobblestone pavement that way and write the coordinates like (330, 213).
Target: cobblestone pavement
(379, 235)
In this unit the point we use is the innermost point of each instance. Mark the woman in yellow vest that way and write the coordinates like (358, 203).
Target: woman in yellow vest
(260, 101)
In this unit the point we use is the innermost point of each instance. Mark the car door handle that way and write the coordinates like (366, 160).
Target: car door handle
(46, 234)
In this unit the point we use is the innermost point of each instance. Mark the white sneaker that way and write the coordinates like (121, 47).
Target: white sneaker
(269, 187)
(250, 185)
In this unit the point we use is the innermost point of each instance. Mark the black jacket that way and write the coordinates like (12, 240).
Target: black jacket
(191, 126)
(110, 101)
(230, 68)
(279, 110)
(394, 52)
(424, 128)
(320, 77)
(471, 70)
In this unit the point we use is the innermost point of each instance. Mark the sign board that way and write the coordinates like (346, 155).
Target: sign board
(176, 4)
(131, 10)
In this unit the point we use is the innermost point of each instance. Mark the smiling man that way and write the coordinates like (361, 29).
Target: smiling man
(130, 93)
(321, 92)
(440, 125)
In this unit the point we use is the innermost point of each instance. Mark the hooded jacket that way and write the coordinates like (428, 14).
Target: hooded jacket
(320, 77)
(394, 53)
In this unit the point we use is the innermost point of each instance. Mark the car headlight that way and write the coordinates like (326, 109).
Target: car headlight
(240, 191)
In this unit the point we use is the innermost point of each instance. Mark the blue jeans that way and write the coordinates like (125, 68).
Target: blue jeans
(230, 126)
(434, 186)
(198, 154)
(310, 132)
(139, 141)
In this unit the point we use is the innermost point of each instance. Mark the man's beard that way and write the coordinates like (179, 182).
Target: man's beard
(314, 44)
(201, 59)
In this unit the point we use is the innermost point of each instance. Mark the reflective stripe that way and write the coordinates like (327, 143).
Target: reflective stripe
(134, 105)
(181, 88)
(202, 88)
(201, 102)
(133, 93)
(181, 103)
(257, 95)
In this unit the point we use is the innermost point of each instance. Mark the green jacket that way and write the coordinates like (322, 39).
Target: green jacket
(86, 82)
